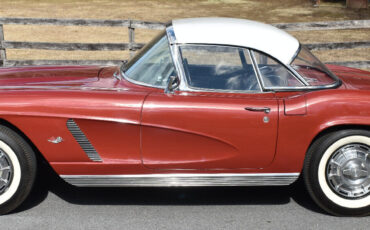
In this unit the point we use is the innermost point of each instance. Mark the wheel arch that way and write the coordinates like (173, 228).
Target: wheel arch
(337, 128)
(39, 156)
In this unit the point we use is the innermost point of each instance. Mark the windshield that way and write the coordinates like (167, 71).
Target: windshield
(312, 69)
(153, 65)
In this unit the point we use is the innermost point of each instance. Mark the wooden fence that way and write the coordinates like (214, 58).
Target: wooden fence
(132, 46)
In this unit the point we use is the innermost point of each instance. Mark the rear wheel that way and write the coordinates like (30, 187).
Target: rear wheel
(337, 172)
(17, 169)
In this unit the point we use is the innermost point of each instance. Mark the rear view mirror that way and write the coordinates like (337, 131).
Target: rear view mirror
(172, 83)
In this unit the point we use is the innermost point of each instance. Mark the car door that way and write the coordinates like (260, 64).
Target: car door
(221, 119)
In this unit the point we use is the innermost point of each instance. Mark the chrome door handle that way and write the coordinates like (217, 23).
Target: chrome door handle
(258, 109)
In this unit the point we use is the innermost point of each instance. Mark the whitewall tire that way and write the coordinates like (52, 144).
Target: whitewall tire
(12, 171)
(17, 169)
(337, 172)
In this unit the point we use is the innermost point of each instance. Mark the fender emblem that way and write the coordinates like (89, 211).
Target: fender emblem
(55, 140)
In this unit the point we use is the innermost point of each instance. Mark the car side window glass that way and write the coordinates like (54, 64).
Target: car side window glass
(155, 66)
(311, 68)
(221, 68)
(274, 74)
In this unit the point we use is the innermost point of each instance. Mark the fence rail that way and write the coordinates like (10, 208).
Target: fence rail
(132, 46)
(137, 46)
(70, 46)
(333, 25)
(84, 22)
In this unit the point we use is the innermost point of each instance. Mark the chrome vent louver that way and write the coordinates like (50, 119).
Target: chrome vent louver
(83, 141)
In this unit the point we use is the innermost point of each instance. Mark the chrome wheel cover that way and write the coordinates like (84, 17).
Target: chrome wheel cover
(6, 171)
(348, 171)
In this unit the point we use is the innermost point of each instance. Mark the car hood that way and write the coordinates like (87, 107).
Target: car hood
(49, 76)
(352, 78)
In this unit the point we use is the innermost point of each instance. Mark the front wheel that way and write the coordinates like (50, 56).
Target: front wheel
(17, 169)
(337, 172)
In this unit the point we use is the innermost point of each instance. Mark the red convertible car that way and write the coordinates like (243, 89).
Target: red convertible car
(208, 102)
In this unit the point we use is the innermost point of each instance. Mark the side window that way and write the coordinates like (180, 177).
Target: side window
(311, 69)
(274, 74)
(219, 68)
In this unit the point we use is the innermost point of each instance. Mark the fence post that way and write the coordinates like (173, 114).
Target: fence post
(131, 38)
(2, 50)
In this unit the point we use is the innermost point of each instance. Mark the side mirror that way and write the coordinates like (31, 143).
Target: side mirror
(172, 83)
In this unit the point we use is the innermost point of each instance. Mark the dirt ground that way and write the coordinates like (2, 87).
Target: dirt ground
(268, 11)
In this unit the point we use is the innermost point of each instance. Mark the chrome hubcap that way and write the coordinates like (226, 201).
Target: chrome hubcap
(6, 172)
(348, 171)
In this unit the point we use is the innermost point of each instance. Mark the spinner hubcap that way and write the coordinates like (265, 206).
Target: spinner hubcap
(348, 171)
(6, 172)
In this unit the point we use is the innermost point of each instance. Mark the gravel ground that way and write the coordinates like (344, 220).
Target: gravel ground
(53, 204)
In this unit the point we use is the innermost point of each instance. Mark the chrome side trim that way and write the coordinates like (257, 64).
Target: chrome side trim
(182, 180)
(83, 141)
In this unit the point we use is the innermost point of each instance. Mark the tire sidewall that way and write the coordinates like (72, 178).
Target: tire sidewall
(16, 171)
(27, 162)
(313, 174)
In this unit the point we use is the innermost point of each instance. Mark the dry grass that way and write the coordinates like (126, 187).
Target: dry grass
(269, 11)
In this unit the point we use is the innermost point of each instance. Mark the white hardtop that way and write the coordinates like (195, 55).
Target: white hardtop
(237, 32)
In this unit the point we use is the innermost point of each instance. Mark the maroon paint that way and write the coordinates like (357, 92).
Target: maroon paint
(138, 129)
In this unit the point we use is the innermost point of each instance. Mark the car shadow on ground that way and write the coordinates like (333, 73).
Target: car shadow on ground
(48, 181)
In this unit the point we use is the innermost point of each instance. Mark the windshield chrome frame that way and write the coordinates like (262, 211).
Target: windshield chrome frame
(176, 57)
(123, 74)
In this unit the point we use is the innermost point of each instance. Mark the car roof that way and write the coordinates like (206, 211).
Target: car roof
(237, 32)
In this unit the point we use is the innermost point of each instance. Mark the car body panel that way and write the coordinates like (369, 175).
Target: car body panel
(109, 113)
(355, 79)
(295, 105)
(137, 129)
(49, 76)
(208, 131)
(105, 112)
(325, 109)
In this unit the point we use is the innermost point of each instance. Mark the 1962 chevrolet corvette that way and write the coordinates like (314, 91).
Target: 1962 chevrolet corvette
(208, 102)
